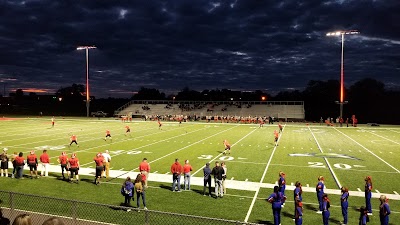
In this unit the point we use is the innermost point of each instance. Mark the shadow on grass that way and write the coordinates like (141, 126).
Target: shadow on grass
(265, 222)
(286, 214)
(334, 221)
(166, 187)
(311, 207)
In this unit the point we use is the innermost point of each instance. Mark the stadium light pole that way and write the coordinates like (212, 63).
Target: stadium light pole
(87, 75)
(342, 34)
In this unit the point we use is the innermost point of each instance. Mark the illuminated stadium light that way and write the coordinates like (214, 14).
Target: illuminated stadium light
(87, 75)
(342, 33)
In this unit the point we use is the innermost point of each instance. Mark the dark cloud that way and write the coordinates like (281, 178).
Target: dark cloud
(236, 44)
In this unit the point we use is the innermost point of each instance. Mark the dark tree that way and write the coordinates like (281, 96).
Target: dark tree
(149, 94)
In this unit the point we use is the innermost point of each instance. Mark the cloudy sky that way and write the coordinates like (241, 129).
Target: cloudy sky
(268, 45)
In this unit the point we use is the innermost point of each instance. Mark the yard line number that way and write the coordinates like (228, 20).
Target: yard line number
(336, 165)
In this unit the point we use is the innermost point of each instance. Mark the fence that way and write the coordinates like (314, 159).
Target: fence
(74, 212)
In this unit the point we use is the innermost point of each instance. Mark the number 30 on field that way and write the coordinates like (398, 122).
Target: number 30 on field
(336, 165)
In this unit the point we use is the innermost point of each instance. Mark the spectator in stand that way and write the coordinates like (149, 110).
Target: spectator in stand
(187, 168)
(127, 191)
(144, 168)
(53, 221)
(20, 163)
(45, 160)
(176, 170)
(22, 219)
(207, 179)
(218, 173)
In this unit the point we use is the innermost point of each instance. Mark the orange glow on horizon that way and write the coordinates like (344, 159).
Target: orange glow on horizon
(34, 90)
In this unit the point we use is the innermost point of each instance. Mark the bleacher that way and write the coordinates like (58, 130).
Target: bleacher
(284, 110)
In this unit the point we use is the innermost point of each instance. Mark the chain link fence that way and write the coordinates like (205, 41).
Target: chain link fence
(74, 212)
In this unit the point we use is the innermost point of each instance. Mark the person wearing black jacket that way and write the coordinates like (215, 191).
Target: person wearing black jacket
(207, 179)
(218, 173)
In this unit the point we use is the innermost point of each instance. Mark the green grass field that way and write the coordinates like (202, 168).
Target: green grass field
(344, 156)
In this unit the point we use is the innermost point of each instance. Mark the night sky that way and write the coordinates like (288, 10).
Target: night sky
(269, 45)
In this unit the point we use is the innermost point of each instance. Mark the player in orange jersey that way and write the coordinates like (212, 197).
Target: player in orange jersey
(74, 139)
(32, 161)
(63, 160)
(227, 147)
(108, 135)
(280, 127)
(276, 134)
(159, 124)
(52, 121)
(128, 131)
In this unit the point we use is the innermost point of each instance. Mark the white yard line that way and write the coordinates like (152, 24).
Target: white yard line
(327, 162)
(368, 150)
(383, 137)
(262, 178)
(222, 153)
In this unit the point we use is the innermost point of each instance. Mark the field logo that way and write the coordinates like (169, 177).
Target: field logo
(326, 155)
(50, 147)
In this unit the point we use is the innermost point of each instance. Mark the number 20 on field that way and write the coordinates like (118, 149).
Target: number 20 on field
(336, 165)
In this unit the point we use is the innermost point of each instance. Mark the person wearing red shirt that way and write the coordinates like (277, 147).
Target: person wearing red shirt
(63, 160)
(19, 163)
(45, 160)
(74, 139)
(99, 167)
(108, 135)
(32, 163)
(280, 127)
(73, 165)
(176, 170)
(52, 121)
(159, 124)
(144, 168)
(186, 177)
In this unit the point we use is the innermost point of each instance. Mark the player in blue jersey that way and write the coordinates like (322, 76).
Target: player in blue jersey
(326, 204)
(298, 212)
(320, 192)
(282, 183)
(368, 194)
(344, 204)
(276, 199)
(384, 210)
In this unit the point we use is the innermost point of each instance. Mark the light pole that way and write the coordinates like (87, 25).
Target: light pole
(342, 33)
(87, 75)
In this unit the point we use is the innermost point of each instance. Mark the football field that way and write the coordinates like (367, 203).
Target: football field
(343, 155)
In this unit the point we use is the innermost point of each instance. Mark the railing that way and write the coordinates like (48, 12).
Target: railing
(83, 213)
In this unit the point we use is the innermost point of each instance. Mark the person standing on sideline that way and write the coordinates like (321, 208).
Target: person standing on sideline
(99, 167)
(127, 191)
(282, 183)
(52, 121)
(276, 135)
(320, 192)
(298, 212)
(106, 163)
(218, 173)
(344, 204)
(45, 160)
(140, 191)
(32, 163)
(73, 165)
(207, 179)
(364, 219)
(227, 147)
(63, 160)
(186, 175)
(144, 168)
(297, 195)
(384, 210)
(74, 139)
(20, 163)
(4, 164)
(223, 165)
(176, 170)
(325, 209)
(13, 157)
(368, 194)
(276, 199)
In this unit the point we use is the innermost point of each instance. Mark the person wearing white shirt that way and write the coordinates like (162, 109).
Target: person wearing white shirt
(106, 162)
